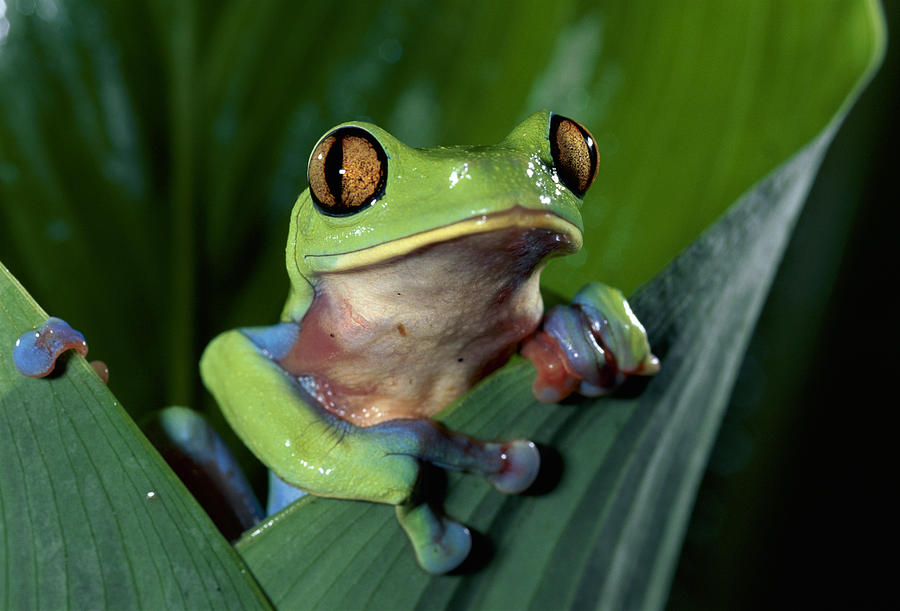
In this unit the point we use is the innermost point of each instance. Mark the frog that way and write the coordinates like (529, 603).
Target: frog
(414, 274)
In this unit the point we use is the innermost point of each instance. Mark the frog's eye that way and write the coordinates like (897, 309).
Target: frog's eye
(347, 172)
(574, 154)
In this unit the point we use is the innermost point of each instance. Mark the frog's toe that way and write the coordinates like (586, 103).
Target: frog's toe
(448, 551)
(590, 346)
(649, 366)
(521, 463)
(440, 544)
(616, 329)
(587, 389)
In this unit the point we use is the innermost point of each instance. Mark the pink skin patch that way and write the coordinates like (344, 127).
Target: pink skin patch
(406, 337)
(555, 379)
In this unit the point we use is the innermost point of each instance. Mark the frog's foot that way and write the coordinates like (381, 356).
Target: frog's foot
(440, 544)
(589, 347)
(511, 467)
(520, 465)
(36, 351)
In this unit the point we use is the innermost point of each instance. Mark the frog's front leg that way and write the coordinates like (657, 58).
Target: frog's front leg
(278, 417)
(440, 543)
(589, 346)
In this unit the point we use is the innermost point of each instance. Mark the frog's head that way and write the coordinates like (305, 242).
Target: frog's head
(372, 198)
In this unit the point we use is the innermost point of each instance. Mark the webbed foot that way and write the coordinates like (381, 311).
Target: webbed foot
(589, 347)
(440, 544)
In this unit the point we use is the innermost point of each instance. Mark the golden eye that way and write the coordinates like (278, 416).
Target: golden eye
(574, 154)
(347, 172)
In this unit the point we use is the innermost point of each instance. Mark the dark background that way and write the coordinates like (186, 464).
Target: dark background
(794, 508)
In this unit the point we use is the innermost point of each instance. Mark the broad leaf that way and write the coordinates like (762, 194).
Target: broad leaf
(90, 515)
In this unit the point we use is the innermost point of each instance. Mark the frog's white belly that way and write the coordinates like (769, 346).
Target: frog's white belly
(404, 338)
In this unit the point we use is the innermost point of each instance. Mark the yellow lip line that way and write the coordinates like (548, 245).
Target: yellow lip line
(517, 217)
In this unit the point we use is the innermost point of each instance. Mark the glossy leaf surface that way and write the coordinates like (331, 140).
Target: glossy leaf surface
(90, 515)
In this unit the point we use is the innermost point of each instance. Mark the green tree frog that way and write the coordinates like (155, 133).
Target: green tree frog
(414, 274)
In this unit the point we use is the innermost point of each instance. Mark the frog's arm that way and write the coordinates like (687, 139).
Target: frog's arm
(310, 448)
(589, 346)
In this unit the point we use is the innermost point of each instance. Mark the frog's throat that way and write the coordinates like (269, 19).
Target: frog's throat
(570, 238)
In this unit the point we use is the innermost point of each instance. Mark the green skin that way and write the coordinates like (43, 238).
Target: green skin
(395, 312)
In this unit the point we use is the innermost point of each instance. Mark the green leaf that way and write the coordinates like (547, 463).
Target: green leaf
(90, 515)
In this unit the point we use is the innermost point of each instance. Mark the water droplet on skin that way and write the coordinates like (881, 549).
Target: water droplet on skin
(36, 351)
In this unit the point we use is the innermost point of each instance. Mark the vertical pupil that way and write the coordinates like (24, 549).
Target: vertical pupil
(347, 172)
(574, 154)
(334, 163)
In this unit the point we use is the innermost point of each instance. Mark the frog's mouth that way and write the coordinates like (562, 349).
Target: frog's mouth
(567, 236)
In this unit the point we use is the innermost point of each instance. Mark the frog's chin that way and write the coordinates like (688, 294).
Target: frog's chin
(568, 236)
